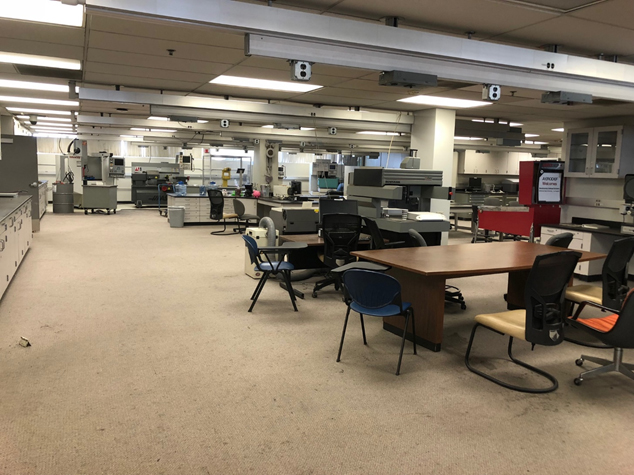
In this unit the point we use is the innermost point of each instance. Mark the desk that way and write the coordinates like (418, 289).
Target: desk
(422, 272)
(309, 258)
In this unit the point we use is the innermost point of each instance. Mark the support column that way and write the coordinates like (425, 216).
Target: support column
(265, 165)
(433, 137)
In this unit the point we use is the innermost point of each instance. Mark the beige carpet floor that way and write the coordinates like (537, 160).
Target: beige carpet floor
(145, 361)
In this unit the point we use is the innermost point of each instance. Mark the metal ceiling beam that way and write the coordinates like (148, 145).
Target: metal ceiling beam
(203, 107)
(375, 46)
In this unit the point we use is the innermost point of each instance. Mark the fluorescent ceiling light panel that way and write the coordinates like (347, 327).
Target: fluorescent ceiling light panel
(285, 86)
(200, 121)
(488, 121)
(371, 132)
(42, 11)
(34, 86)
(51, 124)
(444, 102)
(531, 135)
(43, 61)
(267, 126)
(515, 124)
(560, 129)
(468, 138)
(55, 136)
(157, 118)
(37, 100)
(37, 111)
(307, 128)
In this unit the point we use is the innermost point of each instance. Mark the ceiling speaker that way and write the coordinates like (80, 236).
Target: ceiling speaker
(628, 189)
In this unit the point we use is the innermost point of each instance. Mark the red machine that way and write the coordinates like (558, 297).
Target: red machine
(541, 194)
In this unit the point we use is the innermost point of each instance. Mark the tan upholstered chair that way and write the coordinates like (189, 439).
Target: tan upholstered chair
(541, 323)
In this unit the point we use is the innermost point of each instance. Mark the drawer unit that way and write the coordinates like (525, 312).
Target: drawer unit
(16, 234)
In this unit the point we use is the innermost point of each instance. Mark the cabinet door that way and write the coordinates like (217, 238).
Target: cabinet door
(579, 152)
(6, 262)
(606, 151)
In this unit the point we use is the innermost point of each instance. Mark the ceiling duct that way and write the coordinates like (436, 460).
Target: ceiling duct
(566, 98)
(407, 79)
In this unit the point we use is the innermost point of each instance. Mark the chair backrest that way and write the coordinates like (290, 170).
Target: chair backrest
(375, 233)
(371, 289)
(238, 207)
(544, 296)
(622, 333)
(217, 202)
(418, 239)
(252, 247)
(560, 240)
(341, 236)
(615, 272)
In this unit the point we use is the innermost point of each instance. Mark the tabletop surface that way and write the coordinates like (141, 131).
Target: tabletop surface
(286, 245)
(463, 260)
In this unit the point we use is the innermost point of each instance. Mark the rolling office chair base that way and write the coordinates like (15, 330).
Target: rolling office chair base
(454, 295)
(240, 229)
(549, 377)
(607, 366)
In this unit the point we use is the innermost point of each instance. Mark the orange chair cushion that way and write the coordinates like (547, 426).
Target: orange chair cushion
(603, 324)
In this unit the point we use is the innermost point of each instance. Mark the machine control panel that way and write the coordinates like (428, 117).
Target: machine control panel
(116, 167)
(185, 162)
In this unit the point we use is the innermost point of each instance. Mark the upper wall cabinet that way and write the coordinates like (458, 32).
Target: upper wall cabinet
(471, 162)
(600, 152)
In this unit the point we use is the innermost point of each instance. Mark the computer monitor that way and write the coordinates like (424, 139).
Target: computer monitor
(295, 188)
(329, 206)
(475, 183)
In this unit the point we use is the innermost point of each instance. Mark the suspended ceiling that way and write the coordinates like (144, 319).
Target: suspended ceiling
(133, 54)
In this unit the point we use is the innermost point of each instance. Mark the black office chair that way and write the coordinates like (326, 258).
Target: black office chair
(616, 331)
(452, 293)
(560, 240)
(217, 201)
(377, 239)
(341, 237)
(243, 217)
(541, 323)
(614, 275)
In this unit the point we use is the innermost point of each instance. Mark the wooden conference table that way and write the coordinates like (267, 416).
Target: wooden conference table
(422, 272)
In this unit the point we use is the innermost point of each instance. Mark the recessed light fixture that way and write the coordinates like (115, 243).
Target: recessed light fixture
(200, 121)
(43, 11)
(515, 124)
(530, 142)
(267, 126)
(158, 118)
(285, 86)
(468, 138)
(55, 136)
(34, 86)
(560, 129)
(44, 61)
(52, 124)
(37, 100)
(488, 121)
(307, 128)
(49, 119)
(444, 102)
(37, 111)
(531, 135)
(371, 132)
(131, 136)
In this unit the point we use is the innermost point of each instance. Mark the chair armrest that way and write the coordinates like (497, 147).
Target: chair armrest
(583, 304)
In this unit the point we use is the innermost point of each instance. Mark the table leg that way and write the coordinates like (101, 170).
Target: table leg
(427, 296)
(516, 288)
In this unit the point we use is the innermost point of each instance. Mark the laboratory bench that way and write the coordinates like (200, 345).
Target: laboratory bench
(16, 234)
(198, 208)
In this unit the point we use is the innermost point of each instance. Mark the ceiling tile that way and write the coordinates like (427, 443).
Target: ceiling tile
(182, 34)
(63, 35)
(572, 32)
(133, 71)
(158, 48)
(148, 83)
(118, 58)
(41, 48)
(615, 12)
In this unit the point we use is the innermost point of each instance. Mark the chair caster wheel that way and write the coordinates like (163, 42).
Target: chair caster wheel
(463, 306)
(314, 295)
(579, 362)
(85, 211)
(578, 381)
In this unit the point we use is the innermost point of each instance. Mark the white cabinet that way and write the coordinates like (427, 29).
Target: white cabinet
(198, 209)
(472, 162)
(15, 239)
(599, 152)
(42, 197)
